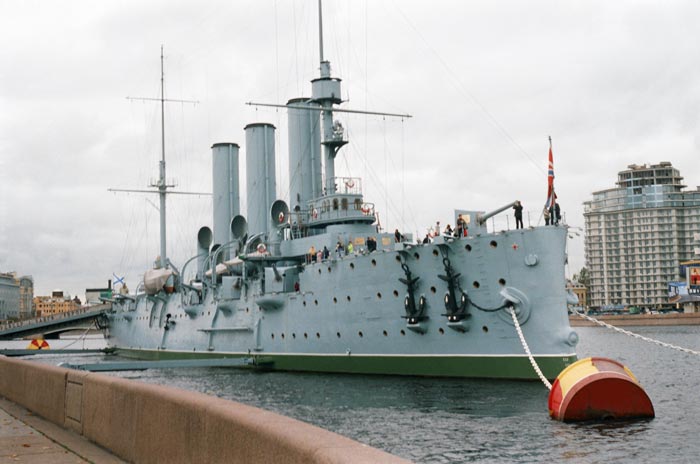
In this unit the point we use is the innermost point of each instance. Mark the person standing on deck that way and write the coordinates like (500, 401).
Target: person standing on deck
(518, 207)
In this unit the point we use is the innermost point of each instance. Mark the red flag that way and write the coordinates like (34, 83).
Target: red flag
(551, 196)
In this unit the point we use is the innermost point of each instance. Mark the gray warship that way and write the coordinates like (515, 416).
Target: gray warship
(314, 285)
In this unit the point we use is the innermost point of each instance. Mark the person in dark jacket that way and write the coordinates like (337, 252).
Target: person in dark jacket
(518, 207)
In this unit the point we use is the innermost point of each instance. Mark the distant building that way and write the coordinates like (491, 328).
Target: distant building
(581, 292)
(55, 304)
(637, 234)
(26, 297)
(9, 297)
(93, 295)
(16, 296)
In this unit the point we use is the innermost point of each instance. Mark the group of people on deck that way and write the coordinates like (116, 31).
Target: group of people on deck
(552, 215)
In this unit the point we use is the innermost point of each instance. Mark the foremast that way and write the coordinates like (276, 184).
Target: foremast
(162, 185)
(325, 90)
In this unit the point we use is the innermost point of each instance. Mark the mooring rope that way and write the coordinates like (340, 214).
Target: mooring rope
(527, 349)
(635, 335)
(82, 337)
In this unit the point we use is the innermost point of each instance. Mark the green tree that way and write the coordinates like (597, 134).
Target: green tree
(583, 277)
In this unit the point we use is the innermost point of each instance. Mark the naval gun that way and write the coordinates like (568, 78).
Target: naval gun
(482, 218)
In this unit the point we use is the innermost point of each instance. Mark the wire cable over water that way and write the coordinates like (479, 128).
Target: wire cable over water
(635, 335)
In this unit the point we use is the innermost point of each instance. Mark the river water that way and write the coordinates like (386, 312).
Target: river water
(455, 420)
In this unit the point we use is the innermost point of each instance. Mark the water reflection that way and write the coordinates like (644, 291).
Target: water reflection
(458, 420)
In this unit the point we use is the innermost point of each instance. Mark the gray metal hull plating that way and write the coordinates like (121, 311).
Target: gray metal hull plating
(349, 312)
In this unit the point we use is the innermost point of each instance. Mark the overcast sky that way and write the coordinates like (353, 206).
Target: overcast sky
(613, 83)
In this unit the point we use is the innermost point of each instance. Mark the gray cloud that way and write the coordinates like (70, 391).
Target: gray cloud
(613, 83)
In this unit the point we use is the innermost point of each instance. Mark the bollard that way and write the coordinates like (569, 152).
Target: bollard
(595, 389)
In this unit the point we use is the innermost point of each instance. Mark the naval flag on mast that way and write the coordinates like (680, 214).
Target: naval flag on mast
(551, 196)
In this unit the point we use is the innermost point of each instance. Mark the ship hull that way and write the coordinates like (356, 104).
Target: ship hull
(349, 313)
(516, 366)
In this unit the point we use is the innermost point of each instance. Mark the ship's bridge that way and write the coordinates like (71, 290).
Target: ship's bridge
(345, 205)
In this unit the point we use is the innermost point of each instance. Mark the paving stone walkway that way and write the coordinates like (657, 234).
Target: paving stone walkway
(27, 438)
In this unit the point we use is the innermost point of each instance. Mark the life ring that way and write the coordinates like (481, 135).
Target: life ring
(366, 209)
(349, 183)
(281, 217)
(314, 213)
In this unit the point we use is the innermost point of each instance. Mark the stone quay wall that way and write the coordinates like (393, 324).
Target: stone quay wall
(148, 423)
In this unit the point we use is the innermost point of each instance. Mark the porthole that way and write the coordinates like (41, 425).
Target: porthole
(416, 255)
(319, 271)
(441, 331)
(246, 310)
(435, 252)
(273, 336)
(282, 336)
(318, 335)
(316, 302)
(349, 298)
(303, 303)
(306, 335)
(403, 332)
(468, 247)
(374, 262)
(352, 265)
(433, 290)
(476, 284)
(379, 295)
(493, 244)
(396, 293)
(294, 335)
(329, 269)
(385, 333)
(485, 329)
(360, 334)
(335, 300)
(337, 334)
(502, 281)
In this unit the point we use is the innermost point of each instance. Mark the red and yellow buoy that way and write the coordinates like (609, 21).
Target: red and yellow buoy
(38, 344)
(598, 388)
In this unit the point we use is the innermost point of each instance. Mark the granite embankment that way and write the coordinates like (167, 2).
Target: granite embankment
(147, 423)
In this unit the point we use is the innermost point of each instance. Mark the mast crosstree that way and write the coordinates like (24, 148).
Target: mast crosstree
(161, 184)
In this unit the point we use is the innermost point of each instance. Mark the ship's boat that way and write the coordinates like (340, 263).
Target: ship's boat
(314, 285)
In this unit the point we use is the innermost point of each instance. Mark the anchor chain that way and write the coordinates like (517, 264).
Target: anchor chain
(635, 335)
(489, 310)
(527, 349)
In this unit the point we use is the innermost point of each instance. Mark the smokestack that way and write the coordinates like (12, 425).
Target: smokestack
(225, 182)
(260, 176)
(305, 171)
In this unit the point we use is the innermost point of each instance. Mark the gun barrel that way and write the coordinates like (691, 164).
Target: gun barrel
(482, 219)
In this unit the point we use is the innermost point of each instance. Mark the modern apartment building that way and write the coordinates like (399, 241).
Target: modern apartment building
(637, 234)
(16, 294)
(9, 296)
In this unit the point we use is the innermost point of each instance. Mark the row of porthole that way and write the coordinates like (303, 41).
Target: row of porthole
(360, 334)
(467, 247)
(433, 290)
